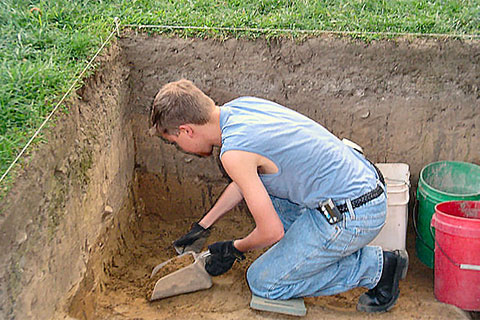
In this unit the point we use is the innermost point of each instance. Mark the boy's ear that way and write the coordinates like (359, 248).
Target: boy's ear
(187, 129)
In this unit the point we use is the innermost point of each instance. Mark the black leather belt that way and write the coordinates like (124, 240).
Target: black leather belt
(369, 196)
(357, 202)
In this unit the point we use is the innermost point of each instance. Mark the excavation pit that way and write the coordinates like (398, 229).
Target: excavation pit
(99, 205)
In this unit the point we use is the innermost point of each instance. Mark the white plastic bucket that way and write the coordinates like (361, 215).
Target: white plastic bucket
(394, 234)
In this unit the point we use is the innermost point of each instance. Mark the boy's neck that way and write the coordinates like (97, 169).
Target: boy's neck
(211, 130)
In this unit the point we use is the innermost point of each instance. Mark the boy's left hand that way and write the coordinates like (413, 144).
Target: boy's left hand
(222, 256)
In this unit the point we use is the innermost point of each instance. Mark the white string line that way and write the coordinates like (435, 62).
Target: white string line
(116, 21)
(312, 31)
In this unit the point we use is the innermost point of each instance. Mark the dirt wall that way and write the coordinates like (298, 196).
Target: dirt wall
(68, 190)
(403, 101)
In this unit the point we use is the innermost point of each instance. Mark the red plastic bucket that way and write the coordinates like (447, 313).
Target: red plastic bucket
(457, 253)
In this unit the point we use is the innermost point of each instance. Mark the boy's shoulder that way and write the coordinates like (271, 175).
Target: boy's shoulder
(250, 101)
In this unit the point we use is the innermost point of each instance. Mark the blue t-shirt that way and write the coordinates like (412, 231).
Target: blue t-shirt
(313, 165)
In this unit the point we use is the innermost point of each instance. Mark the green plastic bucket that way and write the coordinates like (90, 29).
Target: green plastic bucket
(439, 182)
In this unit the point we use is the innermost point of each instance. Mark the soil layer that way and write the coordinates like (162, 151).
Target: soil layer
(406, 101)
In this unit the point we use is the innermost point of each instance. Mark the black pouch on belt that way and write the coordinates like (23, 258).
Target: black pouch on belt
(330, 212)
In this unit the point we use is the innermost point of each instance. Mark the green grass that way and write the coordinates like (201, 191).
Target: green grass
(45, 44)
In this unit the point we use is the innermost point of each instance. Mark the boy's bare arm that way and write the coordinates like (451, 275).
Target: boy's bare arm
(199, 232)
(242, 167)
(230, 197)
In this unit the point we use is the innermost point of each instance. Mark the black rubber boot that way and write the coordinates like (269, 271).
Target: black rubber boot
(385, 294)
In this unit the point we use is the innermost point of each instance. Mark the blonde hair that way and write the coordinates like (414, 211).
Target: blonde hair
(178, 103)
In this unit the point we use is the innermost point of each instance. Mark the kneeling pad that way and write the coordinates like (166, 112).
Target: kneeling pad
(294, 307)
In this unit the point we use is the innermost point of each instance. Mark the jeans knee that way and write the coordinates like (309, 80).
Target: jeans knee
(256, 282)
(262, 283)
(252, 277)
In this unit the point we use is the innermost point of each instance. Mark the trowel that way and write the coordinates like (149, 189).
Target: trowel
(196, 246)
(190, 278)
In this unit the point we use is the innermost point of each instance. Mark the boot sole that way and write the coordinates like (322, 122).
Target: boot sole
(379, 309)
(400, 274)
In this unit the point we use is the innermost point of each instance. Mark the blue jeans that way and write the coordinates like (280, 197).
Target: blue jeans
(315, 258)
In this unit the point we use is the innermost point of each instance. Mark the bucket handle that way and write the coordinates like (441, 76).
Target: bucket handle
(414, 219)
(462, 266)
(406, 182)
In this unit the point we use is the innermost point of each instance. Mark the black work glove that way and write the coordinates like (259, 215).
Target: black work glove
(221, 258)
(193, 240)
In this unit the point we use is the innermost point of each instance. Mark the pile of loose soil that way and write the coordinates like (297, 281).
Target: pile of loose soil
(170, 266)
(173, 265)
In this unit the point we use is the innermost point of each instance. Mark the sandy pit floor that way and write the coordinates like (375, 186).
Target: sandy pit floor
(123, 291)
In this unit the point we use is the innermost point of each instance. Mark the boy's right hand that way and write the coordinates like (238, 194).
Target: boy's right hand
(193, 240)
